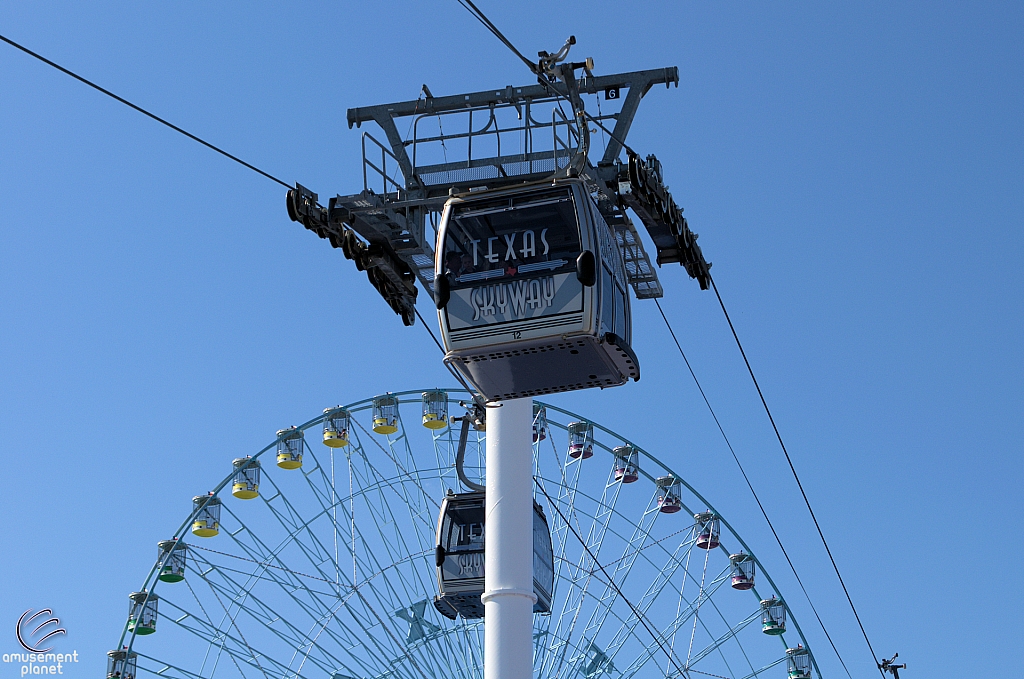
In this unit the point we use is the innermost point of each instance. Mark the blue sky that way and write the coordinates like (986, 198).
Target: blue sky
(854, 171)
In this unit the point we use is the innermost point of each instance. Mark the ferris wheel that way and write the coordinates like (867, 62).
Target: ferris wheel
(348, 548)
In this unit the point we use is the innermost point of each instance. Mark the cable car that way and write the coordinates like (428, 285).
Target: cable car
(531, 291)
(459, 557)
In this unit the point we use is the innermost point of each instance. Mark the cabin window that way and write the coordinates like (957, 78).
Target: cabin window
(505, 237)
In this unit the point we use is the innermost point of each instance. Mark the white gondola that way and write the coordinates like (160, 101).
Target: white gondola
(531, 292)
(459, 557)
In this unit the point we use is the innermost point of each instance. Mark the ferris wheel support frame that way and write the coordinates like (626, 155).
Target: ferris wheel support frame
(508, 561)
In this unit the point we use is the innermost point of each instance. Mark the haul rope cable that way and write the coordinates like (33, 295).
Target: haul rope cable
(142, 110)
(753, 492)
(793, 470)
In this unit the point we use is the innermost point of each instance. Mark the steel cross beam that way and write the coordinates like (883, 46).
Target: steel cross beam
(637, 82)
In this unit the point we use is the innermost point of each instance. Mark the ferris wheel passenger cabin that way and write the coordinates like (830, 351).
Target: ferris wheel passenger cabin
(531, 291)
(459, 557)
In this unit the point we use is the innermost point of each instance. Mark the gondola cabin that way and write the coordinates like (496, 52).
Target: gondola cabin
(627, 465)
(337, 421)
(798, 663)
(540, 423)
(531, 292)
(121, 664)
(669, 488)
(460, 557)
(289, 448)
(773, 616)
(172, 560)
(142, 612)
(206, 511)
(246, 484)
(435, 409)
(581, 440)
(742, 566)
(385, 414)
(708, 529)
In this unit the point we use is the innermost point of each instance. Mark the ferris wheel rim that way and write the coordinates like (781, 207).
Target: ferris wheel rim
(151, 582)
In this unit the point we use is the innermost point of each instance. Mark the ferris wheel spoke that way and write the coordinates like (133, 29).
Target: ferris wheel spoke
(714, 646)
(656, 644)
(270, 618)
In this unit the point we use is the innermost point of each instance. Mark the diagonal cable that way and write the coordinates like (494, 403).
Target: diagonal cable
(796, 477)
(142, 110)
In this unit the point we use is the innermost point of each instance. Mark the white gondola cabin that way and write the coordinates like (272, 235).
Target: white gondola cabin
(627, 464)
(540, 422)
(206, 508)
(121, 664)
(337, 421)
(773, 616)
(246, 484)
(435, 409)
(798, 662)
(708, 529)
(531, 292)
(289, 448)
(142, 612)
(581, 440)
(385, 414)
(742, 566)
(459, 557)
(669, 488)
(172, 560)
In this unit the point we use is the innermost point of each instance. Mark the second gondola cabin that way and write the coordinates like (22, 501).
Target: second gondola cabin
(531, 292)
(460, 557)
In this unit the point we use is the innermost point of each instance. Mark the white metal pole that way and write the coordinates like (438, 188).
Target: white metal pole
(508, 557)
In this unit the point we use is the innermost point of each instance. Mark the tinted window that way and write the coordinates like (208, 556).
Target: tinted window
(491, 239)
